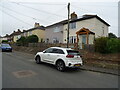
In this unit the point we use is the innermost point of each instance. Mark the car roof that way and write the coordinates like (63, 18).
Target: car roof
(4, 44)
(62, 48)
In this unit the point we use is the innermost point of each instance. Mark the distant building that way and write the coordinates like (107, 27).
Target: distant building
(37, 30)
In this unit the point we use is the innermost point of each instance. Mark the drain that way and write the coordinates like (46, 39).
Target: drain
(24, 73)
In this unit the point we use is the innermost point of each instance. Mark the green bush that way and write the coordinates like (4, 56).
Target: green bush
(111, 35)
(4, 41)
(32, 39)
(107, 45)
(21, 41)
(113, 45)
(101, 44)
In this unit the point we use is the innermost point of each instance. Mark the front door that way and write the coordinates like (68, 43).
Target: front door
(84, 39)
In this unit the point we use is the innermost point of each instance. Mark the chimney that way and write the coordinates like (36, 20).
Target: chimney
(19, 30)
(36, 25)
(73, 16)
(7, 35)
(24, 30)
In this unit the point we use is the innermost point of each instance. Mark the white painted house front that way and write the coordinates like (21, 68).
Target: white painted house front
(88, 27)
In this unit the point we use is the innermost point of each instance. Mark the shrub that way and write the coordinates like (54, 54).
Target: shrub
(32, 39)
(4, 41)
(101, 44)
(21, 41)
(111, 35)
(113, 45)
(107, 45)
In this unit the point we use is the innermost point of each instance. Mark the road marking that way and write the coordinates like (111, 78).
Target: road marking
(24, 73)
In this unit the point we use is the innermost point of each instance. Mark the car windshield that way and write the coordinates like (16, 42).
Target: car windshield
(5, 45)
(73, 52)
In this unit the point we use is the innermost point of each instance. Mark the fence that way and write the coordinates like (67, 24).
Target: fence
(46, 45)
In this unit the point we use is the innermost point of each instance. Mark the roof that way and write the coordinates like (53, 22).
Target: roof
(61, 22)
(16, 33)
(84, 31)
(61, 48)
(40, 27)
(85, 17)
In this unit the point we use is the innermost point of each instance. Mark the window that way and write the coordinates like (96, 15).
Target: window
(53, 50)
(30, 33)
(72, 39)
(73, 52)
(56, 29)
(49, 50)
(58, 51)
(55, 40)
(73, 25)
(103, 30)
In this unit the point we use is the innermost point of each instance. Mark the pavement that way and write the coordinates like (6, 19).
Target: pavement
(101, 70)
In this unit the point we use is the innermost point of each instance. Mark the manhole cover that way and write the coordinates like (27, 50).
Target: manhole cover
(24, 73)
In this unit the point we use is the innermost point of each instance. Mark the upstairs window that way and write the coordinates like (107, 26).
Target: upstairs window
(73, 25)
(56, 29)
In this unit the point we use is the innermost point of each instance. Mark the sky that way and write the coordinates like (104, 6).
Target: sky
(22, 14)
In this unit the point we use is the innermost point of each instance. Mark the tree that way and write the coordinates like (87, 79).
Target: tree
(111, 35)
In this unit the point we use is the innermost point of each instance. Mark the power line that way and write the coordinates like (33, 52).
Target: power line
(22, 14)
(85, 9)
(15, 18)
(57, 12)
(42, 3)
(97, 5)
(37, 9)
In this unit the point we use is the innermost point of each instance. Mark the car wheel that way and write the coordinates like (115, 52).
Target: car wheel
(60, 66)
(38, 60)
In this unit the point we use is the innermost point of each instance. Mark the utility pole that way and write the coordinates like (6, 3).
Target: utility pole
(68, 25)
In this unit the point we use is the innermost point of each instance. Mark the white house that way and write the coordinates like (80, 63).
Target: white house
(85, 29)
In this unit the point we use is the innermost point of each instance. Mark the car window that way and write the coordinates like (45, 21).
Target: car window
(50, 50)
(73, 52)
(5, 45)
(58, 51)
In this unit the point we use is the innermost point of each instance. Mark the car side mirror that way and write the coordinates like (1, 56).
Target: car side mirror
(44, 51)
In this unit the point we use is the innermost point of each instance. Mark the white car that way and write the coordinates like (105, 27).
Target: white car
(61, 57)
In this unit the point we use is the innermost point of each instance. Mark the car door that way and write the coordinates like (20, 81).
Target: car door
(56, 53)
(46, 57)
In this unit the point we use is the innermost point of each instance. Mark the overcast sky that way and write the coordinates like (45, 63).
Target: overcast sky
(22, 14)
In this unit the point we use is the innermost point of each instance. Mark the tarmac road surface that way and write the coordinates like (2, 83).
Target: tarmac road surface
(20, 71)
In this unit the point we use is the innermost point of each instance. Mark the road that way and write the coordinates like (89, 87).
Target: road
(21, 71)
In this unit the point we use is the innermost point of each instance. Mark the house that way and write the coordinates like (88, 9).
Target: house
(54, 32)
(3, 38)
(37, 30)
(15, 36)
(81, 30)
(6, 37)
(85, 29)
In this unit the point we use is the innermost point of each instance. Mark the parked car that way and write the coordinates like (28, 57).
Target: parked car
(5, 47)
(60, 57)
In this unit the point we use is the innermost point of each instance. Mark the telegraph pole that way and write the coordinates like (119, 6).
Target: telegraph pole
(68, 25)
